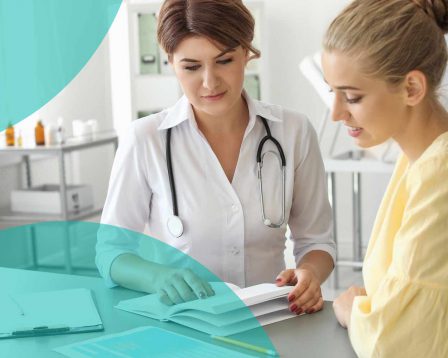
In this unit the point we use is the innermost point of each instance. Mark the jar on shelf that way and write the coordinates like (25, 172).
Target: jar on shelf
(10, 136)
(39, 133)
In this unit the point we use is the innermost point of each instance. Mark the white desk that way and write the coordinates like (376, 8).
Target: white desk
(317, 335)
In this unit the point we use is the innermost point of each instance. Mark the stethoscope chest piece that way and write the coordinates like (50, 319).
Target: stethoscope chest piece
(175, 226)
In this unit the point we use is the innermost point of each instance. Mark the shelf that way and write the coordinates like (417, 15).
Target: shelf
(6, 214)
(72, 144)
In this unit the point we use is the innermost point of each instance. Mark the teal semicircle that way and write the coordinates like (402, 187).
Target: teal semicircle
(238, 320)
(44, 44)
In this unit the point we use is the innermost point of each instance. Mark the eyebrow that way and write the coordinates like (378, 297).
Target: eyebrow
(219, 55)
(347, 88)
(343, 88)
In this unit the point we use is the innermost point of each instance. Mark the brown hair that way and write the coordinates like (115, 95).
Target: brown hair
(227, 23)
(390, 38)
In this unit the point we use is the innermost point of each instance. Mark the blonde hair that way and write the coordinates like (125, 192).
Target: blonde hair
(390, 38)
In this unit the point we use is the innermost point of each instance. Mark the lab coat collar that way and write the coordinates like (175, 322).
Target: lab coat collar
(257, 108)
(183, 111)
(177, 114)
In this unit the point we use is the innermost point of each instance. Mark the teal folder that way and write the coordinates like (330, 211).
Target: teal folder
(48, 313)
(147, 342)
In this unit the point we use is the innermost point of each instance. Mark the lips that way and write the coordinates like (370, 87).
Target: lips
(354, 131)
(214, 97)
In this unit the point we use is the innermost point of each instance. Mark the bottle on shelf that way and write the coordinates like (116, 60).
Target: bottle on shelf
(39, 133)
(10, 136)
(60, 132)
(19, 139)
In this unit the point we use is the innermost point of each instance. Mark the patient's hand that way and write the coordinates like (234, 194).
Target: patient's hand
(343, 304)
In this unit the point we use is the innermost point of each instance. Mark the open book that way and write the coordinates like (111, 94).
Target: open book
(223, 314)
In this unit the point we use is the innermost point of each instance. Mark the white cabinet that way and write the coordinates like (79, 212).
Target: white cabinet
(141, 79)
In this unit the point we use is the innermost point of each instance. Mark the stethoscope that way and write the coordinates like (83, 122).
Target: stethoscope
(174, 223)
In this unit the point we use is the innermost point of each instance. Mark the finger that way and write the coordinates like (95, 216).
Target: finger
(300, 288)
(285, 277)
(163, 297)
(304, 283)
(173, 295)
(310, 303)
(184, 290)
(317, 307)
(209, 289)
(305, 298)
(200, 288)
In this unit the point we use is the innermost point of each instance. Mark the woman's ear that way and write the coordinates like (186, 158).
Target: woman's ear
(247, 56)
(416, 86)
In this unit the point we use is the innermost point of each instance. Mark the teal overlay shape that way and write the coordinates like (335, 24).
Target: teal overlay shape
(44, 44)
(52, 238)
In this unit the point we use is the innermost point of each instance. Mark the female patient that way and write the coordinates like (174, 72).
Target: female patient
(384, 60)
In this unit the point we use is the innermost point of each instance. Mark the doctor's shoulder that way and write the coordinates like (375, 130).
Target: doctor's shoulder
(145, 130)
(297, 127)
(292, 120)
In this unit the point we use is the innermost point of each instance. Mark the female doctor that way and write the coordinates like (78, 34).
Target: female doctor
(190, 173)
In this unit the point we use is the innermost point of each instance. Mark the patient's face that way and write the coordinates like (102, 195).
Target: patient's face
(372, 110)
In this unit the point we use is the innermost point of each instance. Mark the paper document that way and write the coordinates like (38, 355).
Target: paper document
(147, 342)
(223, 314)
(49, 312)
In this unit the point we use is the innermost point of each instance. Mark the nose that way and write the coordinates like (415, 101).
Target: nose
(210, 79)
(339, 112)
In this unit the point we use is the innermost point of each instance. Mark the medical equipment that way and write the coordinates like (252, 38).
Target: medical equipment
(174, 223)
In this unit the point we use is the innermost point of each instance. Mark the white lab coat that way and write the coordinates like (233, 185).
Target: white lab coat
(223, 227)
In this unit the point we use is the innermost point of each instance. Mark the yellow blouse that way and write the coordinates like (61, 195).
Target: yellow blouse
(405, 312)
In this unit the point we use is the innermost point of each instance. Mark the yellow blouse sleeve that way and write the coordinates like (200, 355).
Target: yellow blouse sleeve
(407, 316)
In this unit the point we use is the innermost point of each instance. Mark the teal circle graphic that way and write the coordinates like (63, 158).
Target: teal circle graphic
(43, 46)
(235, 317)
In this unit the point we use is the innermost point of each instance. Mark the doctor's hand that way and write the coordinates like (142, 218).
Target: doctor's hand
(306, 295)
(176, 286)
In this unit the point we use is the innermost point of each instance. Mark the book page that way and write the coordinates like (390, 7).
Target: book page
(262, 292)
(224, 300)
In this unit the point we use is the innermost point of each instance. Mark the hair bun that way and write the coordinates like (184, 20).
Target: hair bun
(436, 9)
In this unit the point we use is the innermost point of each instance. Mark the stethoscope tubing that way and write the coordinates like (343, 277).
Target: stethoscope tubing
(175, 221)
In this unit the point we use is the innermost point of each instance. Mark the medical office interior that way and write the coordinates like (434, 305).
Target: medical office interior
(127, 78)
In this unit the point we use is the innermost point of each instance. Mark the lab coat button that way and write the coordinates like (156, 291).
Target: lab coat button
(235, 208)
(235, 250)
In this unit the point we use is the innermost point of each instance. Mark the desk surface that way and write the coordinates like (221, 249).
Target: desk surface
(316, 335)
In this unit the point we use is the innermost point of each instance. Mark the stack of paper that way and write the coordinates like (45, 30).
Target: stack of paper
(224, 314)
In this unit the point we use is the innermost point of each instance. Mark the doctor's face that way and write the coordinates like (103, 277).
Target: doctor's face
(211, 77)
(372, 110)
